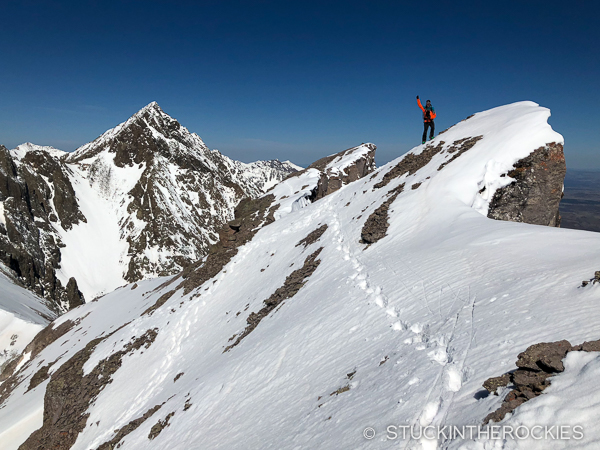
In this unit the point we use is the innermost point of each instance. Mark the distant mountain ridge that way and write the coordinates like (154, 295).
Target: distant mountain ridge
(142, 200)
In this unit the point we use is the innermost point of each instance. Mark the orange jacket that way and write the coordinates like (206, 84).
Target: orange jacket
(432, 112)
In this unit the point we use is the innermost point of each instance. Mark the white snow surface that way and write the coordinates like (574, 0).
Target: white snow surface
(23, 149)
(402, 332)
(22, 316)
(95, 252)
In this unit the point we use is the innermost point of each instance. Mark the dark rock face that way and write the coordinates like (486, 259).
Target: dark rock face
(535, 366)
(131, 426)
(535, 194)
(459, 147)
(36, 194)
(159, 426)
(313, 236)
(412, 162)
(376, 225)
(545, 356)
(73, 295)
(65, 201)
(70, 393)
(185, 193)
(332, 180)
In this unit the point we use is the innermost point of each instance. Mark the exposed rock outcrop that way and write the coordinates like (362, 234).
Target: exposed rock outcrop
(412, 162)
(592, 281)
(70, 393)
(36, 194)
(376, 225)
(334, 176)
(534, 195)
(535, 366)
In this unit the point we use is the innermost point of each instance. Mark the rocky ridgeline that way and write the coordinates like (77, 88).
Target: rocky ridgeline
(332, 178)
(170, 195)
(535, 367)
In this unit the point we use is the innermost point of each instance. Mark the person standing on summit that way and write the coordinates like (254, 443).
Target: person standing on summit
(428, 116)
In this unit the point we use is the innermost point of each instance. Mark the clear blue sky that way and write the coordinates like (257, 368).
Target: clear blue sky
(295, 80)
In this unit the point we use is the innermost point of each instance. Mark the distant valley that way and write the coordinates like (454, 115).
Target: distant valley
(580, 207)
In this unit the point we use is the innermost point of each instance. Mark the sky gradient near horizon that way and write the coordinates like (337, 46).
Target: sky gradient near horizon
(295, 80)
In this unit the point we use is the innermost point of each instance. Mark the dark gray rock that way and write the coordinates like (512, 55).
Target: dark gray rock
(545, 356)
(36, 193)
(535, 194)
(73, 295)
(588, 346)
(332, 180)
(536, 366)
(492, 384)
(376, 225)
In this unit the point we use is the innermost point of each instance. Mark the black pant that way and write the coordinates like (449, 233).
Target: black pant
(427, 125)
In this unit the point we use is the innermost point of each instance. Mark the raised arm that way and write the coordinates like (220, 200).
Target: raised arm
(419, 103)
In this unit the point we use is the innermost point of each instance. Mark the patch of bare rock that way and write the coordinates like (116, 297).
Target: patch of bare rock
(591, 281)
(376, 225)
(70, 393)
(535, 367)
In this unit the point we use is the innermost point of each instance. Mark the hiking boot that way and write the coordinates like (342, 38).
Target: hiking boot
(423, 142)
(430, 137)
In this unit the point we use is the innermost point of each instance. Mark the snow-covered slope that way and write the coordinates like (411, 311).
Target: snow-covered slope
(308, 336)
(143, 200)
(22, 316)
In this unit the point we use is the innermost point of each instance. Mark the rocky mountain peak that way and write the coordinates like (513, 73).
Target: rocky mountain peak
(153, 116)
(150, 190)
(148, 132)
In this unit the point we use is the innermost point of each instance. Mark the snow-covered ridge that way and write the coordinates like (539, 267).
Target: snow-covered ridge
(504, 142)
(400, 332)
(23, 149)
(300, 189)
